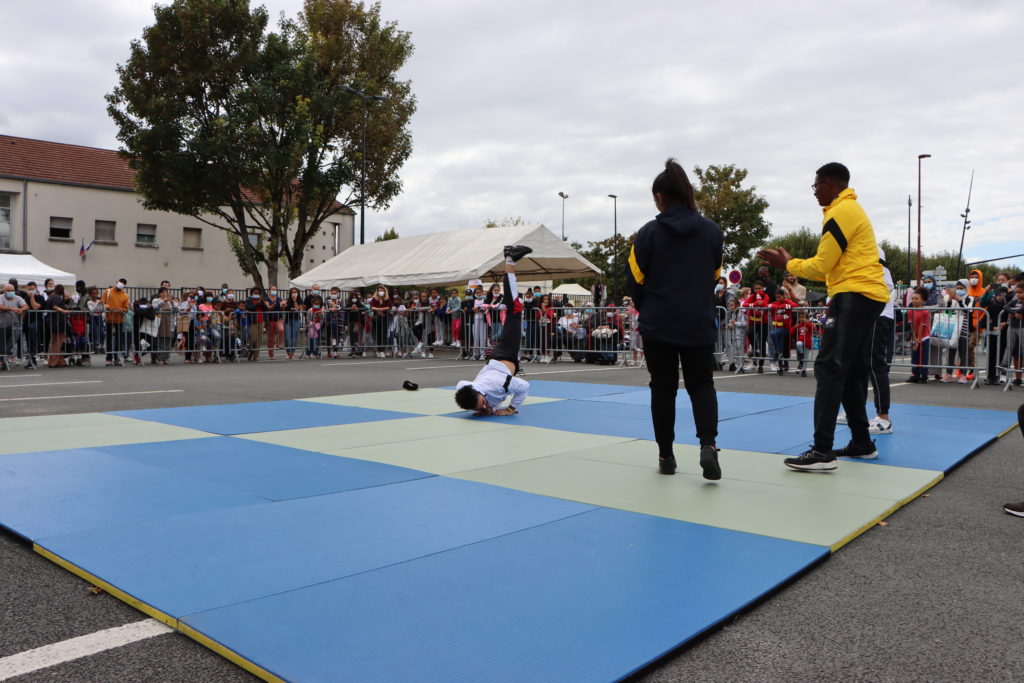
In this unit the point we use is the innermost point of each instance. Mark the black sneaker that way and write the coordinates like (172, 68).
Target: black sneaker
(667, 465)
(1016, 509)
(812, 461)
(852, 450)
(517, 251)
(709, 463)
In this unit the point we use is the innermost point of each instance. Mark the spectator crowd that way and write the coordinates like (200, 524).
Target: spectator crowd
(767, 323)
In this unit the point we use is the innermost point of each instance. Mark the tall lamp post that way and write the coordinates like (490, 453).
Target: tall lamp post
(564, 196)
(362, 158)
(909, 204)
(919, 157)
(615, 242)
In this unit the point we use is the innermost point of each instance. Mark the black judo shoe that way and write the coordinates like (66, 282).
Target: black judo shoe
(709, 463)
(813, 461)
(667, 465)
(517, 251)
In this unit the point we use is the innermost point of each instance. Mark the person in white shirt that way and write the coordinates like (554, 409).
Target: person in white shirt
(497, 380)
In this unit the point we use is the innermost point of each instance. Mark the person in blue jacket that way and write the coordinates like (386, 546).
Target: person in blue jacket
(673, 266)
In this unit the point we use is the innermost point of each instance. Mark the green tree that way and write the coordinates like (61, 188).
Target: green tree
(610, 255)
(389, 234)
(251, 131)
(738, 211)
(508, 222)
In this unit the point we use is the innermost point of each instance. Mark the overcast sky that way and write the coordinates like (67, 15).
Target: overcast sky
(518, 101)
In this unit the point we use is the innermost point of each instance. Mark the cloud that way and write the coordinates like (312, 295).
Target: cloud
(520, 101)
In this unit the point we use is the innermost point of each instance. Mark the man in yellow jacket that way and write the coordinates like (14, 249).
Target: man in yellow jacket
(847, 260)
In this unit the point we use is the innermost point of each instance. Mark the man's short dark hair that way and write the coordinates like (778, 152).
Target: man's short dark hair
(835, 171)
(465, 397)
(122, 280)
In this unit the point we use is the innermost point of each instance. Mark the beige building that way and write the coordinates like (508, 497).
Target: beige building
(56, 197)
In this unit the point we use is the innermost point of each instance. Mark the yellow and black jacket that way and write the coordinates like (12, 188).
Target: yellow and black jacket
(671, 275)
(847, 258)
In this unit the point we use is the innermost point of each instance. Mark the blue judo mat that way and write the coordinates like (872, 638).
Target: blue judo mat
(307, 566)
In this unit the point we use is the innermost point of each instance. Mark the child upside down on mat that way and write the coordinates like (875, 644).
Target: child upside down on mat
(497, 379)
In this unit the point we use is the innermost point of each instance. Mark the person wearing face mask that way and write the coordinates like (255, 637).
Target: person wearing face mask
(254, 310)
(292, 308)
(454, 311)
(976, 289)
(380, 308)
(354, 319)
(273, 307)
(466, 323)
(11, 307)
(480, 324)
(314, 291)
(144, 330)
(959, 299)
(530, 311)
(32, 324)
(115, 304)
(993, 301)
(680, 251)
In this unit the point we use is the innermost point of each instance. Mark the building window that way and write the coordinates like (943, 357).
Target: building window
(192, 238)
(145, 233)
(105, 231)
(5, 221)
(60, 228)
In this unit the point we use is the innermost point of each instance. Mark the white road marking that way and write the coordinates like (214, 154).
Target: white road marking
(556, 372)
(82, 646)
(370, 362)
(119, 393)
(50, 384)
(438, 367)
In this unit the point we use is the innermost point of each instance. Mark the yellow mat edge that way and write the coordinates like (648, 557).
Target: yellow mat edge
(108, 588)
(893, 508)
(162, 617)
(228, 653)
(1007, 430)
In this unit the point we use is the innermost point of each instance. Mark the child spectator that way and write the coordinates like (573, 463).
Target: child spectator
(736, 324)
(454, 310)
(802, 336)
(380, 306)
(920, 332)
(757, 323)
(782, 321)
(964, 321)
(314, 322)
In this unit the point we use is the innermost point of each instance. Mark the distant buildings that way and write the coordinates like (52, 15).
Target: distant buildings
(54, 197)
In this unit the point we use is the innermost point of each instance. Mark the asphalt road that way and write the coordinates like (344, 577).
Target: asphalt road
(935, 595)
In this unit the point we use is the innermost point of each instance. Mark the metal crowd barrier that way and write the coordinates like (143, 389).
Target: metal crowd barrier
(748, 337)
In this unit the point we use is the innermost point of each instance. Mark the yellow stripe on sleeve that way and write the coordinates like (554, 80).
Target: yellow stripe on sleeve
(634, 267)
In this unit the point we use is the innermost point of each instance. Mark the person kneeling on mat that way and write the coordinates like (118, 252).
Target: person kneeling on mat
(497, 380)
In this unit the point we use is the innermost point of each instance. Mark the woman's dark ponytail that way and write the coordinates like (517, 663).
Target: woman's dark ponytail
(674, 185)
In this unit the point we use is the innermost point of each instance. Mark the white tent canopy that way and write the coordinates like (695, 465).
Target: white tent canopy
(448, 259)
(572, 289)
(27, 268)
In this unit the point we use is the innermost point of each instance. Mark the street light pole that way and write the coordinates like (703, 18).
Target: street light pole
(564, 196)
(615, 241)
(362, 157)
(919, 157)
(909, 203)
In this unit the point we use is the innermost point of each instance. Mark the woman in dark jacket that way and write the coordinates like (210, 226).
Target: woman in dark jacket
(673, 265)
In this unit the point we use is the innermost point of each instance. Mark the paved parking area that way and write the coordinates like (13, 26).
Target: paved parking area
(934, 595)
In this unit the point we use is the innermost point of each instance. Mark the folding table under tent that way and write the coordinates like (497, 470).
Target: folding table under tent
(444, 259)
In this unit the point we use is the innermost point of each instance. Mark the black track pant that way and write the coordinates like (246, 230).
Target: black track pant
(512, 332)
(878, 362)
(841, 367)
(698, 362)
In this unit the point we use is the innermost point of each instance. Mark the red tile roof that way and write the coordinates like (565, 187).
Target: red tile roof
(57, 162)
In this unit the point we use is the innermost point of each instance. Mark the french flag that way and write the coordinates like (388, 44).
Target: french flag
(84, 248)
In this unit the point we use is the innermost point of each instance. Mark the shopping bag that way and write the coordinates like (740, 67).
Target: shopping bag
(944, 330)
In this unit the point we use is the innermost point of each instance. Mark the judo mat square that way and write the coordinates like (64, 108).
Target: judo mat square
(385, 537)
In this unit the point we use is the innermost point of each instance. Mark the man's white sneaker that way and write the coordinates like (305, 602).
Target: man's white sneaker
(841, 419)
(456, 345)
(880, 426)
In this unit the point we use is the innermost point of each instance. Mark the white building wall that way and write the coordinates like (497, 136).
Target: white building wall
(141, 264)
